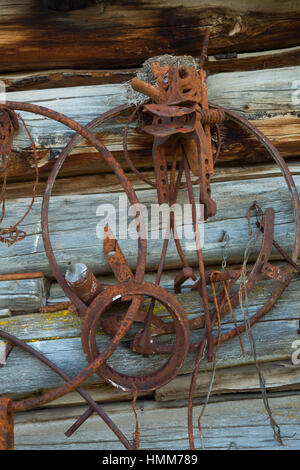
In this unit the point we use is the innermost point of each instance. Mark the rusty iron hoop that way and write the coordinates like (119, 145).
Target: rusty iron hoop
(166, 373)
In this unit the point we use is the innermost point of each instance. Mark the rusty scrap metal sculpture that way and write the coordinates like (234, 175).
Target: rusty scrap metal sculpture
(182, 125)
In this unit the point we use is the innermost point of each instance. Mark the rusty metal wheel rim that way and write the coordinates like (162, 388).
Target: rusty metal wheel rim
(167, 372)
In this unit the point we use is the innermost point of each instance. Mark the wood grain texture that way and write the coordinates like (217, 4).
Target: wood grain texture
(124, 34)
(73, 222)
(109, 183)
(281, 375)
(57, 335)
(254, 60)
(21, 81)
(268, 98)
(23, 295)
(233, 424)
(231, 62)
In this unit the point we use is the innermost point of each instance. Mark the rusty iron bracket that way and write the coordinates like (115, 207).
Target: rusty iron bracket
(6, 425)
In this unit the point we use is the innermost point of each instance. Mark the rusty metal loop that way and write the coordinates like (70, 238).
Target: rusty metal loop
(75, 382)
(179, 349)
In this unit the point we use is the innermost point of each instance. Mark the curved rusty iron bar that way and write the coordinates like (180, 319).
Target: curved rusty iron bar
(94, 406)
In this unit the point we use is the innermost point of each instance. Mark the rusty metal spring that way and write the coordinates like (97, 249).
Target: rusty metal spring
(212, 116)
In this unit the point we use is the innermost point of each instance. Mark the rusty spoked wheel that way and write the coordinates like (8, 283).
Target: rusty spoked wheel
(178, 351)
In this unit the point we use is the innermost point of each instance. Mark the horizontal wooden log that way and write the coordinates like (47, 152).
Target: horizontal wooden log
(281, 375)
(231, 62)
(5, 313)
(67, 5)
(23, 295)
(21, 81)
(101, 393)
(57, 335)
(231, 424)
(267, 97)
(118, 34)
(109, 183)
(73, 222)
(238, 147)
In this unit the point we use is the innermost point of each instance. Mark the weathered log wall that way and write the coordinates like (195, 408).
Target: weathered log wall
(37, 80)
(57, 335)
(123, 34)
(269, 99)
(229, 424)
(75, 62)
(76, 240)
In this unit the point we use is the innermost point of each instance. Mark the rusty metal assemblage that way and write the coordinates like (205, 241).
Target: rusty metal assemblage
(183, 122)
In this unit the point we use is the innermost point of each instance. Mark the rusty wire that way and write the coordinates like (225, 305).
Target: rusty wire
(12, 234)
(215, 357)
(243, 297)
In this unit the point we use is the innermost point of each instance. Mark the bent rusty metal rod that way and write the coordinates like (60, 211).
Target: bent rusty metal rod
(48, 191)
(203, 286)
(13, 340)
(106, 154)
(281, 251)
(143, 340)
